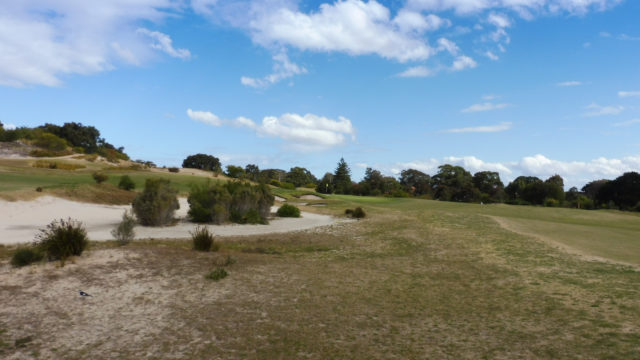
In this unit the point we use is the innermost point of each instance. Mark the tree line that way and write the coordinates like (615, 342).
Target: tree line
(450, 183)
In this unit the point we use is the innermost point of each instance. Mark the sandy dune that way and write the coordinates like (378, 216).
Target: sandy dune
(20, 221)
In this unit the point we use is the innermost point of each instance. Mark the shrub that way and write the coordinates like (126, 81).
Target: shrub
(217, 274)
(348, 211)
(358, 213)
(124, 232)
(25, 256)
(99, 177)
(62, 238)
(549, 202)
(157, 203)
(48, 153)
(174, 169)
(288, 210)
(239, 202)
(39, 189)
(203, 240)
(126, 183)
(50, 142)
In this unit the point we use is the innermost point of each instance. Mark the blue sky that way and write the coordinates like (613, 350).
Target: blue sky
(522, 87)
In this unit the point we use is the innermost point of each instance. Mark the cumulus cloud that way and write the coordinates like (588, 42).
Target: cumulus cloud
(282, 69)
(44, 40)
(504, 126)
(164, 43)
(627, 94)
(304, 132)
(524, 8)
(463, 62)
(351, 26)
(598, 110)
(488, 106)
(412, 21)
(569, 83)
(204, 117)
(417, 71)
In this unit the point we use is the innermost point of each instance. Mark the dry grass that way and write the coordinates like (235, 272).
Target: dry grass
(410, 281)
(95, 193)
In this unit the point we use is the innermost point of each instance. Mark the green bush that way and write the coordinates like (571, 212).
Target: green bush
(126, 183)
(358, 213)
(288, 210)
(348, 211)
(62, 238)
(99, 177)
(50, 142)
(203, 240)
(235, 201)
(25, 256)
(124, 233)
(174, 170)
(217, 274)
(157, 203)
(550, 202)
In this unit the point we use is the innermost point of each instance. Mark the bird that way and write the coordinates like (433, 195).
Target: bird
(82, 293)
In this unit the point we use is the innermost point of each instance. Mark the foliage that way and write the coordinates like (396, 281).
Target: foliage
(124, 232)
(415, 182)
(358, 213)
(157, 203)
(252, 172)
(300, 176)
(217, 274)
(623, 192)
(325, 185)
(288, 210)
(174, 170)
(25, 256)
(126, 183)
(56, 165)
(490, 186)
(202, 162)
(235, 172)
(235, 201)
(50, 142)
(342, 178)
(48, 153)
(454, 183)
(99, 177)
(61, 239)
(265, 176)
(282, 184)
(203, 239)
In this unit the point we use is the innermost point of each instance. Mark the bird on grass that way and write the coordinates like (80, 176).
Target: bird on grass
(82, 293)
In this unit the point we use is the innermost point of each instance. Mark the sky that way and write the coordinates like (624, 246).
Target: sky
(522, 87)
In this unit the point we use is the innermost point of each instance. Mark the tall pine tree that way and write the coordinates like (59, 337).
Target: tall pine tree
(342, 178)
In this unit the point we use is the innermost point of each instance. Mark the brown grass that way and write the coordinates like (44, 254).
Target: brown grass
(95, 193)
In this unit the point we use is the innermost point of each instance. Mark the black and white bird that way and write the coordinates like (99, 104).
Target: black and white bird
(82, 293)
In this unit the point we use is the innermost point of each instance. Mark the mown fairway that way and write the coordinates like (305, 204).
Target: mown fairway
(415, 279)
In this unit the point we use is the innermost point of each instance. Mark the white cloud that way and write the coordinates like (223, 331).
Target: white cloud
(474, 164)
(569, 83)
(417, 71)
(351, 26)
(9, 127)
(362, 165)
(597, 110)
(204, 117)
(282, 69)
(411, 21)
(524, 8)
(305, 132)
(448, 45)
(627, 123)
(484, 107)
(42, 41)
(627, 94)
(164, 43)
(490, 97)
(463, 62)
(482, 129)
(499, 20)
(491, 56)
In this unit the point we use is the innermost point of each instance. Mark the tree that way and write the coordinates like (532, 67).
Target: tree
(516, 188)
(373, 183)
(252, 172)
(325, 185)
(157, 203)
(592, 188)
(267, 175)
(235, 172)
(489, 185)
(454, 183)
(624, 192)
(78, 135)
(415, 182)
(300, 176)
(202, 162)
(342, 178)
(555, 188)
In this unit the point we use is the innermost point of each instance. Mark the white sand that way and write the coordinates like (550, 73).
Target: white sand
(21, 220)
(310, 197)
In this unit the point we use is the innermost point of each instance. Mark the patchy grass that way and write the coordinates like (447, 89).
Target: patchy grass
(415, 279)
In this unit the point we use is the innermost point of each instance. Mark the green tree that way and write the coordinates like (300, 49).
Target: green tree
(624, 192)
(415, 182)
(490, 186)
(454, 183)
(342, 178)
(516, 188)
(252, 171)
(202, 162)
(300, 176)
(235, 172)
(157, 203)
(555, 188)
(325, 185)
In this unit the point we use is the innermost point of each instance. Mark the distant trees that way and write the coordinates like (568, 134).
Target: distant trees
(490, 186)
(415, 182)
(202, 162)
(300, 176)
(532, 190)
(235, 172)
(342, 178)
(252, 172)
(454, 183)
(622, 193)
(325, 185)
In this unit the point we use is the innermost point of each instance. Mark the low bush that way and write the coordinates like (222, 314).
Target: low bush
(56, 165)
(39, 189)
(48, 153)
(124, 232)
(48, 141)
(203, 240)
(358, 213)
(126, 183)
(62, 239)
(174, 169)
(157, 203)
(217, 274)
(348, 211)
(235, 201)
(99, 177)
(25, 256)
(288, 210)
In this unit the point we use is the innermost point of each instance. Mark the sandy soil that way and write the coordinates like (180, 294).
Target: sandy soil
(21, 220)
(310, 197)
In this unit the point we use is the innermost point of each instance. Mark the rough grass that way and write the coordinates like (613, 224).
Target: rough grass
(415, 279)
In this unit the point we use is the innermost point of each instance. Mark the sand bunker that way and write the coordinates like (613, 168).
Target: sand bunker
(21, 220)
(310, 197)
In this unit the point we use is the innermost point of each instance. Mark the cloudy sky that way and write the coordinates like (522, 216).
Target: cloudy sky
(522, 87)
